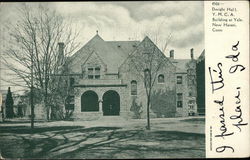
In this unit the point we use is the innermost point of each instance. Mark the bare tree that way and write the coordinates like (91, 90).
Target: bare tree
(34, 47)
(148, 61)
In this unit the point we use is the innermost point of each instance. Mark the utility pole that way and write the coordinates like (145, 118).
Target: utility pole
(31, 92)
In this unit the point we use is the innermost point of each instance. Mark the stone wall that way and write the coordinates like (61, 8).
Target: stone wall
(121, 90)
(188, 89)
(130, 71)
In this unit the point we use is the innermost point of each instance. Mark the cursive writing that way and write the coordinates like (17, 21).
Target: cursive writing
(238, 111)
(223, 148)
(217, 83)
(234, 58)
(223, 127)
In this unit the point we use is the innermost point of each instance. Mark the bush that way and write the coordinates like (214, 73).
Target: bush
(136, 108)
(163, 103)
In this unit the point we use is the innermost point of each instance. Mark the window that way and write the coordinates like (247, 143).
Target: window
(179, 100)
(97, 73)
(71, 81)
(90, 73)
(191, 104)
(147, 77)
(94, 73)
(161, 78)
(133, 87)
(146, 74)
(179, 79)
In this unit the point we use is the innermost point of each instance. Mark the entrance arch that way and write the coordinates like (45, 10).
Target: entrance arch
(89, 102)
(111, 103)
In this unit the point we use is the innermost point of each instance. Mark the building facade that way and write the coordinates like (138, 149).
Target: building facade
(108, 78)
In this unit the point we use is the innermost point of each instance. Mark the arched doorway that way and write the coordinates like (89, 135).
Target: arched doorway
(89, 102)
(111, 103)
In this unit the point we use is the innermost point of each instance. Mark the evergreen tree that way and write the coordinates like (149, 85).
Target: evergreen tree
(9, 105)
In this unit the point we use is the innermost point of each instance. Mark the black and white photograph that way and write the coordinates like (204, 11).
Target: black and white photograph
(102, 80)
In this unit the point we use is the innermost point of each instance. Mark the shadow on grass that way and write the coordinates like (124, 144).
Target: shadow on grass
(118, 142)
(94, 142)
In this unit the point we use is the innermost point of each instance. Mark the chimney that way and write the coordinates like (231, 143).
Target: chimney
(60, 52)
(172, 54)
(192, 53)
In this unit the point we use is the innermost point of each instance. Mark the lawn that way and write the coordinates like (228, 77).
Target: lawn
(168, 138)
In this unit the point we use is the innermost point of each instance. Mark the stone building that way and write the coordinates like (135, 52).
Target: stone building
(107, 78)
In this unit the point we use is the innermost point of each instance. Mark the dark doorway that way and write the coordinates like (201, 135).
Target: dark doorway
(111, 103)
(89, 102)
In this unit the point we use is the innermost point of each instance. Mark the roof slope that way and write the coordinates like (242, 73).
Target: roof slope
(147, 45)
(113, 53)
(124, 48)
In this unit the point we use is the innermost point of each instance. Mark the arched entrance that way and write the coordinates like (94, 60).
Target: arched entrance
(111, 103)
(89, 102)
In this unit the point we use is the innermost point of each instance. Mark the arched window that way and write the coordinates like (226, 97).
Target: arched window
(133, 87)
(147, 77)
(161, 78)
(146, 72)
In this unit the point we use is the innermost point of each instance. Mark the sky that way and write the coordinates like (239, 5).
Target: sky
(179, 23)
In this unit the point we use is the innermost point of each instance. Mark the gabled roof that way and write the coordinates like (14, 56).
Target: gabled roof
(113, 53)
(143, 46)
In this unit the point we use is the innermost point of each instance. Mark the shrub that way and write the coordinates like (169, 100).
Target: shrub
(136, 108)
(9, 105)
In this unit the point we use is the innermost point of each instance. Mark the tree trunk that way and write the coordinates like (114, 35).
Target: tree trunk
(32, 108)
(31, 93)
(148, 115)
(47, 107)
(46, 94)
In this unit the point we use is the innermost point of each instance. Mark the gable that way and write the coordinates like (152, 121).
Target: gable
(93, 60)
(108, 51)
(143, 51)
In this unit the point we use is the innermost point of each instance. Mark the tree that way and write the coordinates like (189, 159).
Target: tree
(9, 105)
(148, 60)
(33, 49)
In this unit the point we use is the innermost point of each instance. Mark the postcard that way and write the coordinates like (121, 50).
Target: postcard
(124, 80)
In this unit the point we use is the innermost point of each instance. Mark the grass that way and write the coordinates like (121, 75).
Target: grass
(194, 120)
(100, 142)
